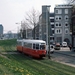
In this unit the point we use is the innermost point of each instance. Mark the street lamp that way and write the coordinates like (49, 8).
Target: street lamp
(20, 30)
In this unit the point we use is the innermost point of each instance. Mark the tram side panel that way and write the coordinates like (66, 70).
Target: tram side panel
(19, 45)
(34, 52)
(42, 53)
(19, 48)
(27, 48)
(31, 52)
(27, 51)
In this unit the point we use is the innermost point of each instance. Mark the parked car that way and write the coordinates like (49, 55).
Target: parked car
(51, 49)
(57, 46)
(64, 44)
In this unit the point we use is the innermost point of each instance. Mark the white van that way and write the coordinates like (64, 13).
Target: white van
(64, 44)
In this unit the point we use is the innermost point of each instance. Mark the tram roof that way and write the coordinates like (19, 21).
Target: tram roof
(32, 41)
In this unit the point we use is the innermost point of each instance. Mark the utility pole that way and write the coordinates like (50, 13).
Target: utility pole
(49, 33)
(48, 29)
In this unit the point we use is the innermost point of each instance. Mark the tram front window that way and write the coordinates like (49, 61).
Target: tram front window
(42, 46)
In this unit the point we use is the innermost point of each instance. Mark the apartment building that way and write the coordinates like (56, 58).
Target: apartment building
(62, 23)
(44, 24)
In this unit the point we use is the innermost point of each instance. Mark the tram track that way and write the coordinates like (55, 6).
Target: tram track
(34, 66)
(43, 66)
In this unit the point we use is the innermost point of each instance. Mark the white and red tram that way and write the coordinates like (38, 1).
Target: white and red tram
(35, 48)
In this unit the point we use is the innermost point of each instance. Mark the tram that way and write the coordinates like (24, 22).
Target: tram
(34, 48)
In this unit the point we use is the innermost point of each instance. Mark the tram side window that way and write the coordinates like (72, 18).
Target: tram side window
(35, 46)
(27, 45)
(19, 43)
(30, 45)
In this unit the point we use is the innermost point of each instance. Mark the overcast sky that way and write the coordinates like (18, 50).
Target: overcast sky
(13, 11)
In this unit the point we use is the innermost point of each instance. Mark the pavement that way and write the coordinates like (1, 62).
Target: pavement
(68, 60)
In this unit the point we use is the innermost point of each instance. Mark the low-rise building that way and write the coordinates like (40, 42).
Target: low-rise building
(1, 31)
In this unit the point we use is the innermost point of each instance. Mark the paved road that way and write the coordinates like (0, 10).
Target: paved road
(64, 56)
(66, 51)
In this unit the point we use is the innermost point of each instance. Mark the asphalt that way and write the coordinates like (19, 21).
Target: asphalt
(66, 51)
(63, 60)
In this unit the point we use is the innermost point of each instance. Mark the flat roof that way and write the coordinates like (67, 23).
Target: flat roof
(63, 6)
(32, 41)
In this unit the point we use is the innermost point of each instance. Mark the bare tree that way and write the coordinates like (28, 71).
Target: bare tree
(70, 1)
(31, 19)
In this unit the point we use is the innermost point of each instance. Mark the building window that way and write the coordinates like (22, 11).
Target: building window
(52, 20)
(58, 18)
(57, 24)
(58, 11)
(58, 39)
(52, 31)
(66, 31)
(58, 31)
(66, 24)
(66, 18)
(66, 11)
(52, 26)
